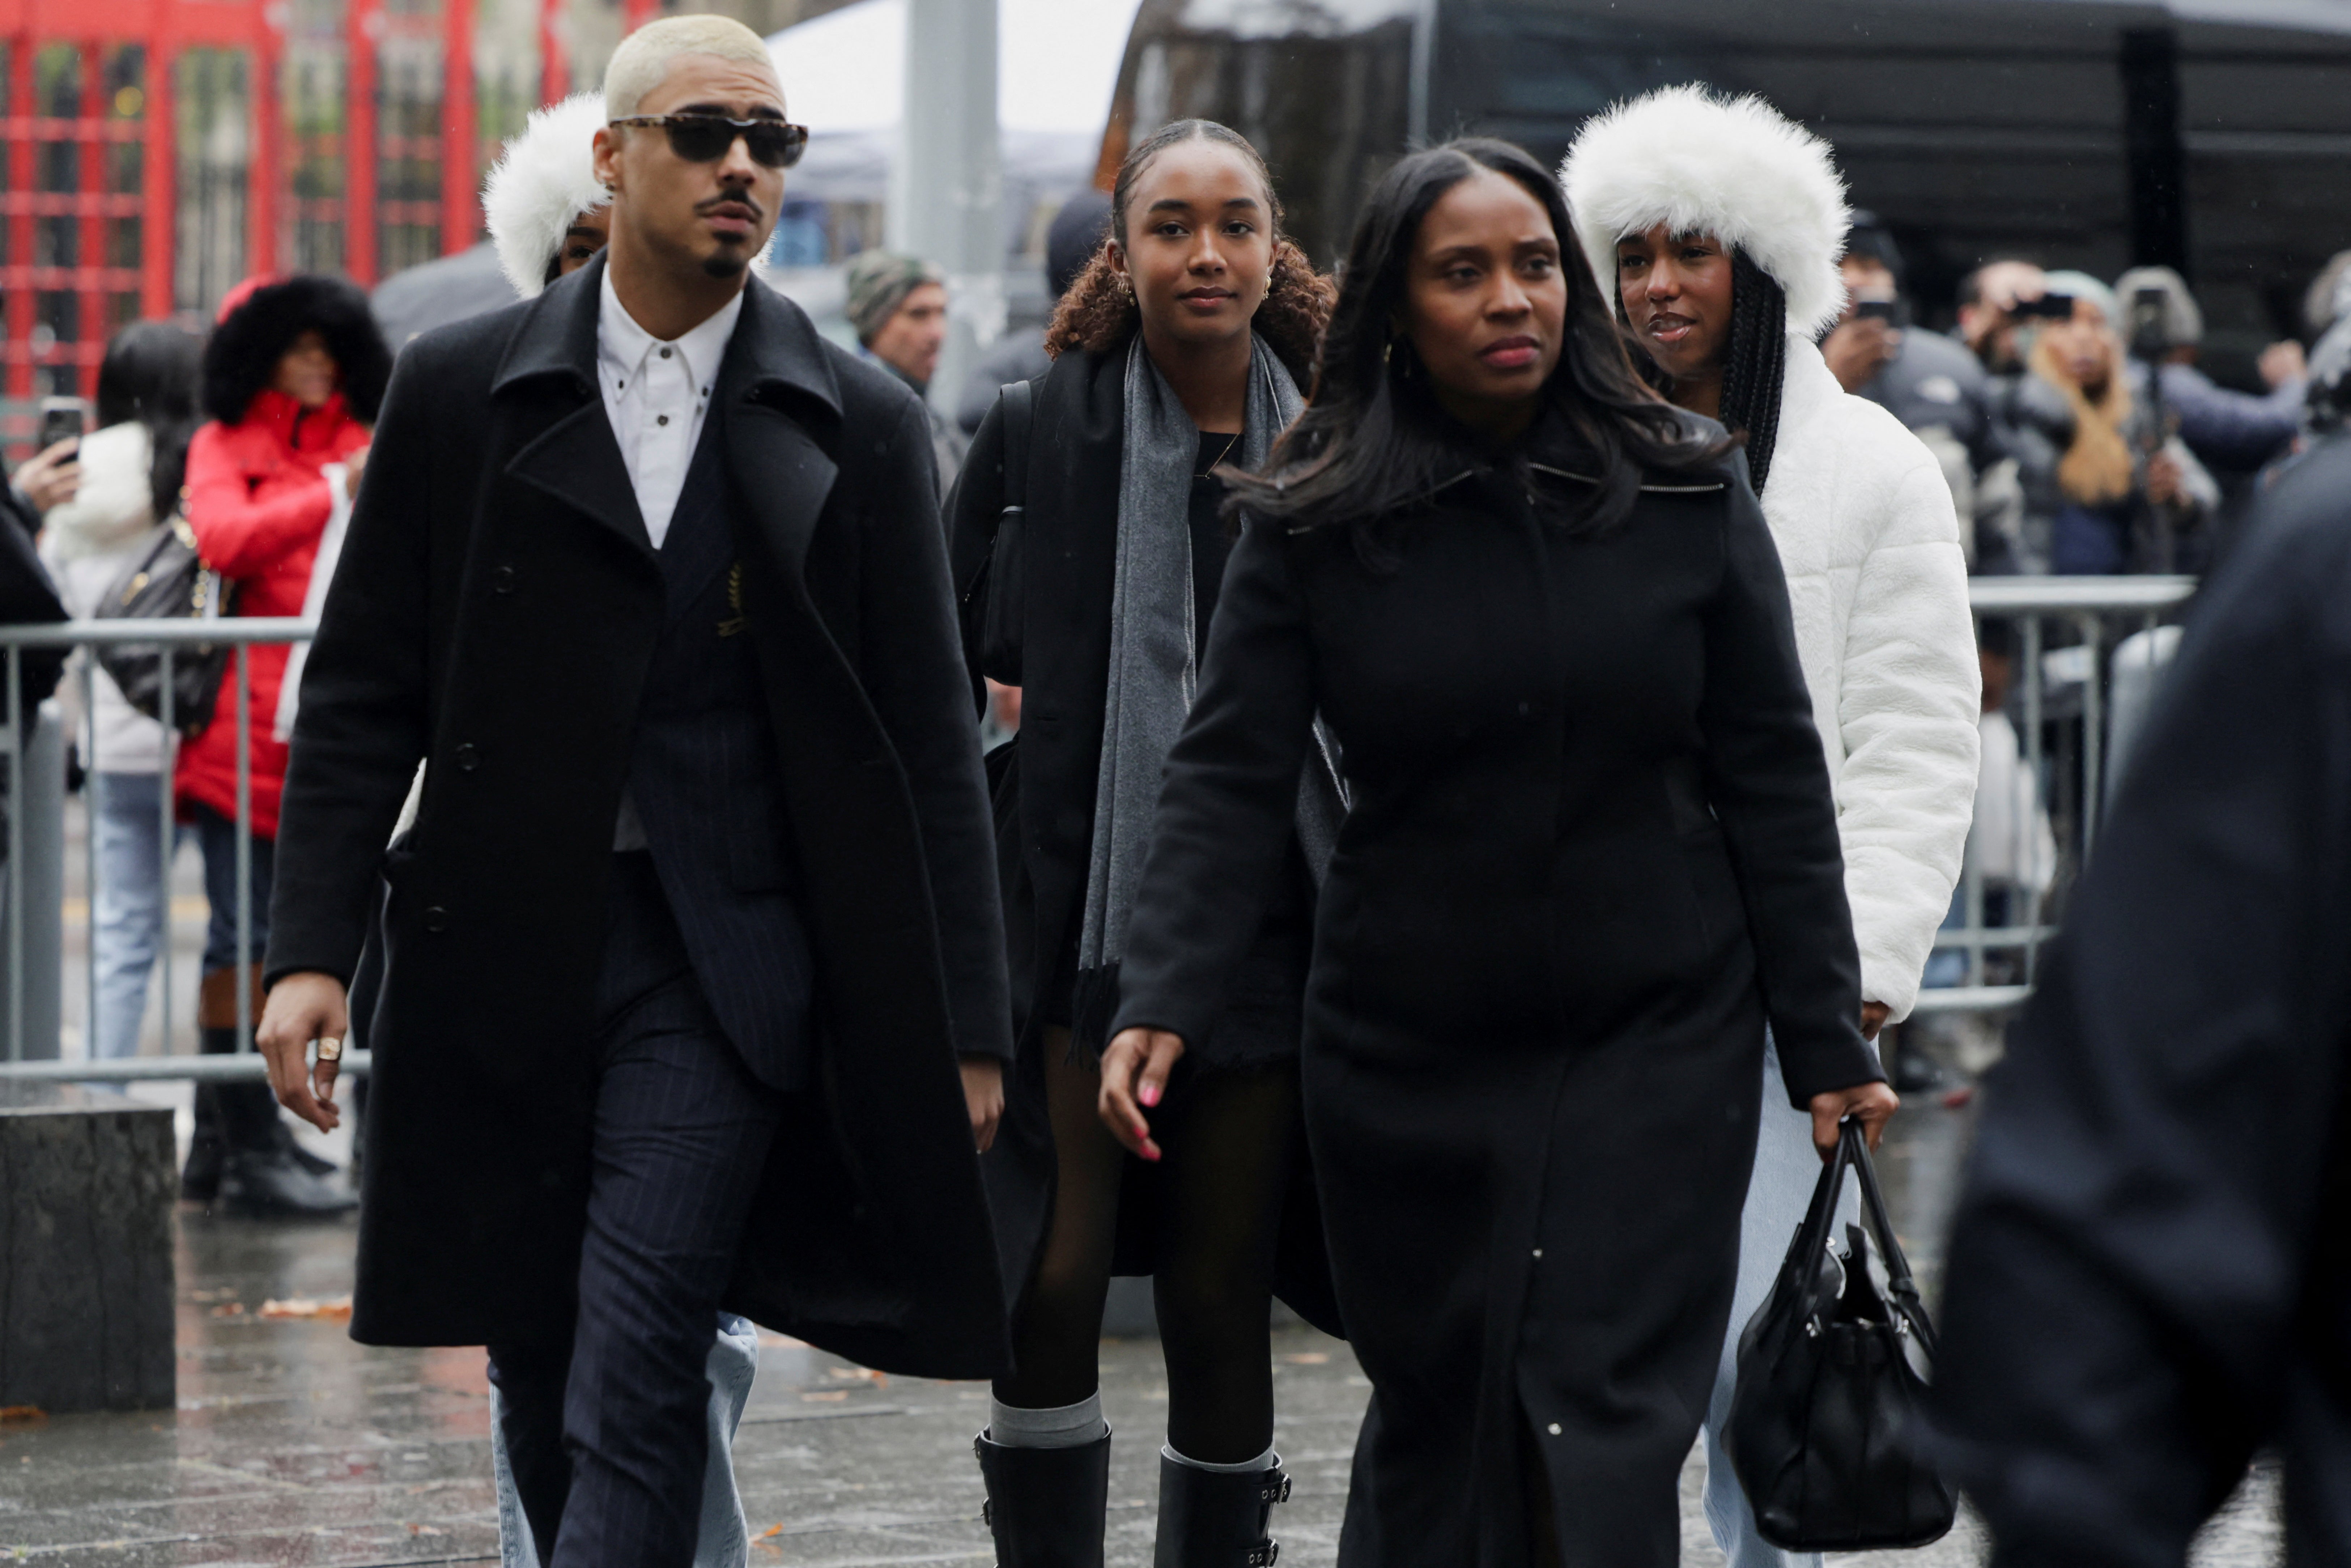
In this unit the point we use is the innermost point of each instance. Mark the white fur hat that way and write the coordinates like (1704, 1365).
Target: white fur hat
(545, 179)
(1734, 168)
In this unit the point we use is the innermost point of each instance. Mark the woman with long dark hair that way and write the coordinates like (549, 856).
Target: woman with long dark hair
(1590, 850)
(1180, 350)
(1719, 222)
(131, 466)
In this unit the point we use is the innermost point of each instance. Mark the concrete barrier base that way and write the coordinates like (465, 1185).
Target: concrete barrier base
(87, 1184)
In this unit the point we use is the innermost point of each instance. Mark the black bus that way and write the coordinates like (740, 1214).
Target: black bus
(2210, 135)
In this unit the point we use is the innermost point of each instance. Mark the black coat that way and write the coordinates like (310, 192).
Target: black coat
(1045, 780)
(1590, 849)
(495, 609)
(2150, 1272)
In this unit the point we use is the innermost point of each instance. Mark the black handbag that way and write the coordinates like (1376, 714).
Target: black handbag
(169, 581)
(999, 585)
(1826, 1424)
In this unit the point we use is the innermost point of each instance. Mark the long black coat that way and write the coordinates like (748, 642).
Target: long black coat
(2150, 1271)
(1590, 849)
(495, 609)
(1045, 783)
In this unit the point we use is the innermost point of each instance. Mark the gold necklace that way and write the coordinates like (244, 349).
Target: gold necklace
(1230, 442)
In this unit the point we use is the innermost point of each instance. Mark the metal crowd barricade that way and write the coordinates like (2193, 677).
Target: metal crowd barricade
(33, 908)
(2066, 629)
(2067, 633)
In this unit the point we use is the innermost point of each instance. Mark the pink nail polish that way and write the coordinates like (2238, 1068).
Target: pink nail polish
(1150, 1094)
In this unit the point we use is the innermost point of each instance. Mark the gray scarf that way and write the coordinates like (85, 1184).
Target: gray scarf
(1154, 662)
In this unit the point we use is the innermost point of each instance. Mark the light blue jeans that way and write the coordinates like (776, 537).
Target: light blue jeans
(725, 1539)
(134, 904)
(1787, 1169)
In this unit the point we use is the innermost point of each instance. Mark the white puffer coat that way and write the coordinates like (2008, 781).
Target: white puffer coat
(1871, 547)
(1858, 505)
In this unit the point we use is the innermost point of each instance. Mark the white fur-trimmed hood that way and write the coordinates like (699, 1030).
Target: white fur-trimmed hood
(545, 178)
(1732, 167)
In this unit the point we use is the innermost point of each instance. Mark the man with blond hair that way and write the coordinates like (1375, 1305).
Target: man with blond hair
(694, 996)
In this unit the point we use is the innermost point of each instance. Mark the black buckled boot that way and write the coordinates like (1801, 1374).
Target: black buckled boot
(1045, 1506)
(1216, 1519)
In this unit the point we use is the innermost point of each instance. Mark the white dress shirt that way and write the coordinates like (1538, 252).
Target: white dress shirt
(656, 395)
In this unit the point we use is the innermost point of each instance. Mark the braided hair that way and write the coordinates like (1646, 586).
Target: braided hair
(1755, 362)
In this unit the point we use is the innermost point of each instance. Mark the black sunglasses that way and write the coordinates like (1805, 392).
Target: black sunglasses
(704, 138)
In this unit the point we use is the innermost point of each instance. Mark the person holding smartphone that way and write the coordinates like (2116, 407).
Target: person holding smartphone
(1935, 387)
(131, 472)
(49, 477)
(1721, 222)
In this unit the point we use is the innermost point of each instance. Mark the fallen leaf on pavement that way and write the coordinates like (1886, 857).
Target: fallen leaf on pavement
(22, 1415)
(303, 1307)
(834, 1397)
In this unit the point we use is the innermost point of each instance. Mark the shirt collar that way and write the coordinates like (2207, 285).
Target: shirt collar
(622, 345)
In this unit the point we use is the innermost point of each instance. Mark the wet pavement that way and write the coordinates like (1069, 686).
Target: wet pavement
(291, 1444)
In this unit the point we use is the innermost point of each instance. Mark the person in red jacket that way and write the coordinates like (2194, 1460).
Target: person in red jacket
(292, 378)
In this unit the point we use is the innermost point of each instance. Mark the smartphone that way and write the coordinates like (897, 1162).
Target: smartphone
(1886, 311)
(62, 419)
(2049, 307)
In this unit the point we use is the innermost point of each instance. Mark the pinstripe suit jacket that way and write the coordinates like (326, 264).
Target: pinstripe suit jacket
(705, 780)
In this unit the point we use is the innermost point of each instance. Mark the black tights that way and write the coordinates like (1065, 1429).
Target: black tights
(1217, 1200)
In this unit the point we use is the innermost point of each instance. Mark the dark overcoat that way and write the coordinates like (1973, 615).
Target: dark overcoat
(495, 609)
(2150, 1268)
(1058, 655)
(1590, 849)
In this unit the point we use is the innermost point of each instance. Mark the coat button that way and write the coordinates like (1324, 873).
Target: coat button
(436, 919)
(468, 757)
(502, 579)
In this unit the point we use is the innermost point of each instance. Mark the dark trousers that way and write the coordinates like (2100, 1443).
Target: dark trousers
(606, 1434)
(217, 836)
(244, 1115)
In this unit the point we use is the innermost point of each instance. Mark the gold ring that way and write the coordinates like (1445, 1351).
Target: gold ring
(330, 1048)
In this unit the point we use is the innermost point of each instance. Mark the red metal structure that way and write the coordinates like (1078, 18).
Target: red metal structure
(91, 209)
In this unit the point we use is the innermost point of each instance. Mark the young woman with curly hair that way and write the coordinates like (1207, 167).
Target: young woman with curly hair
(1088, 548)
